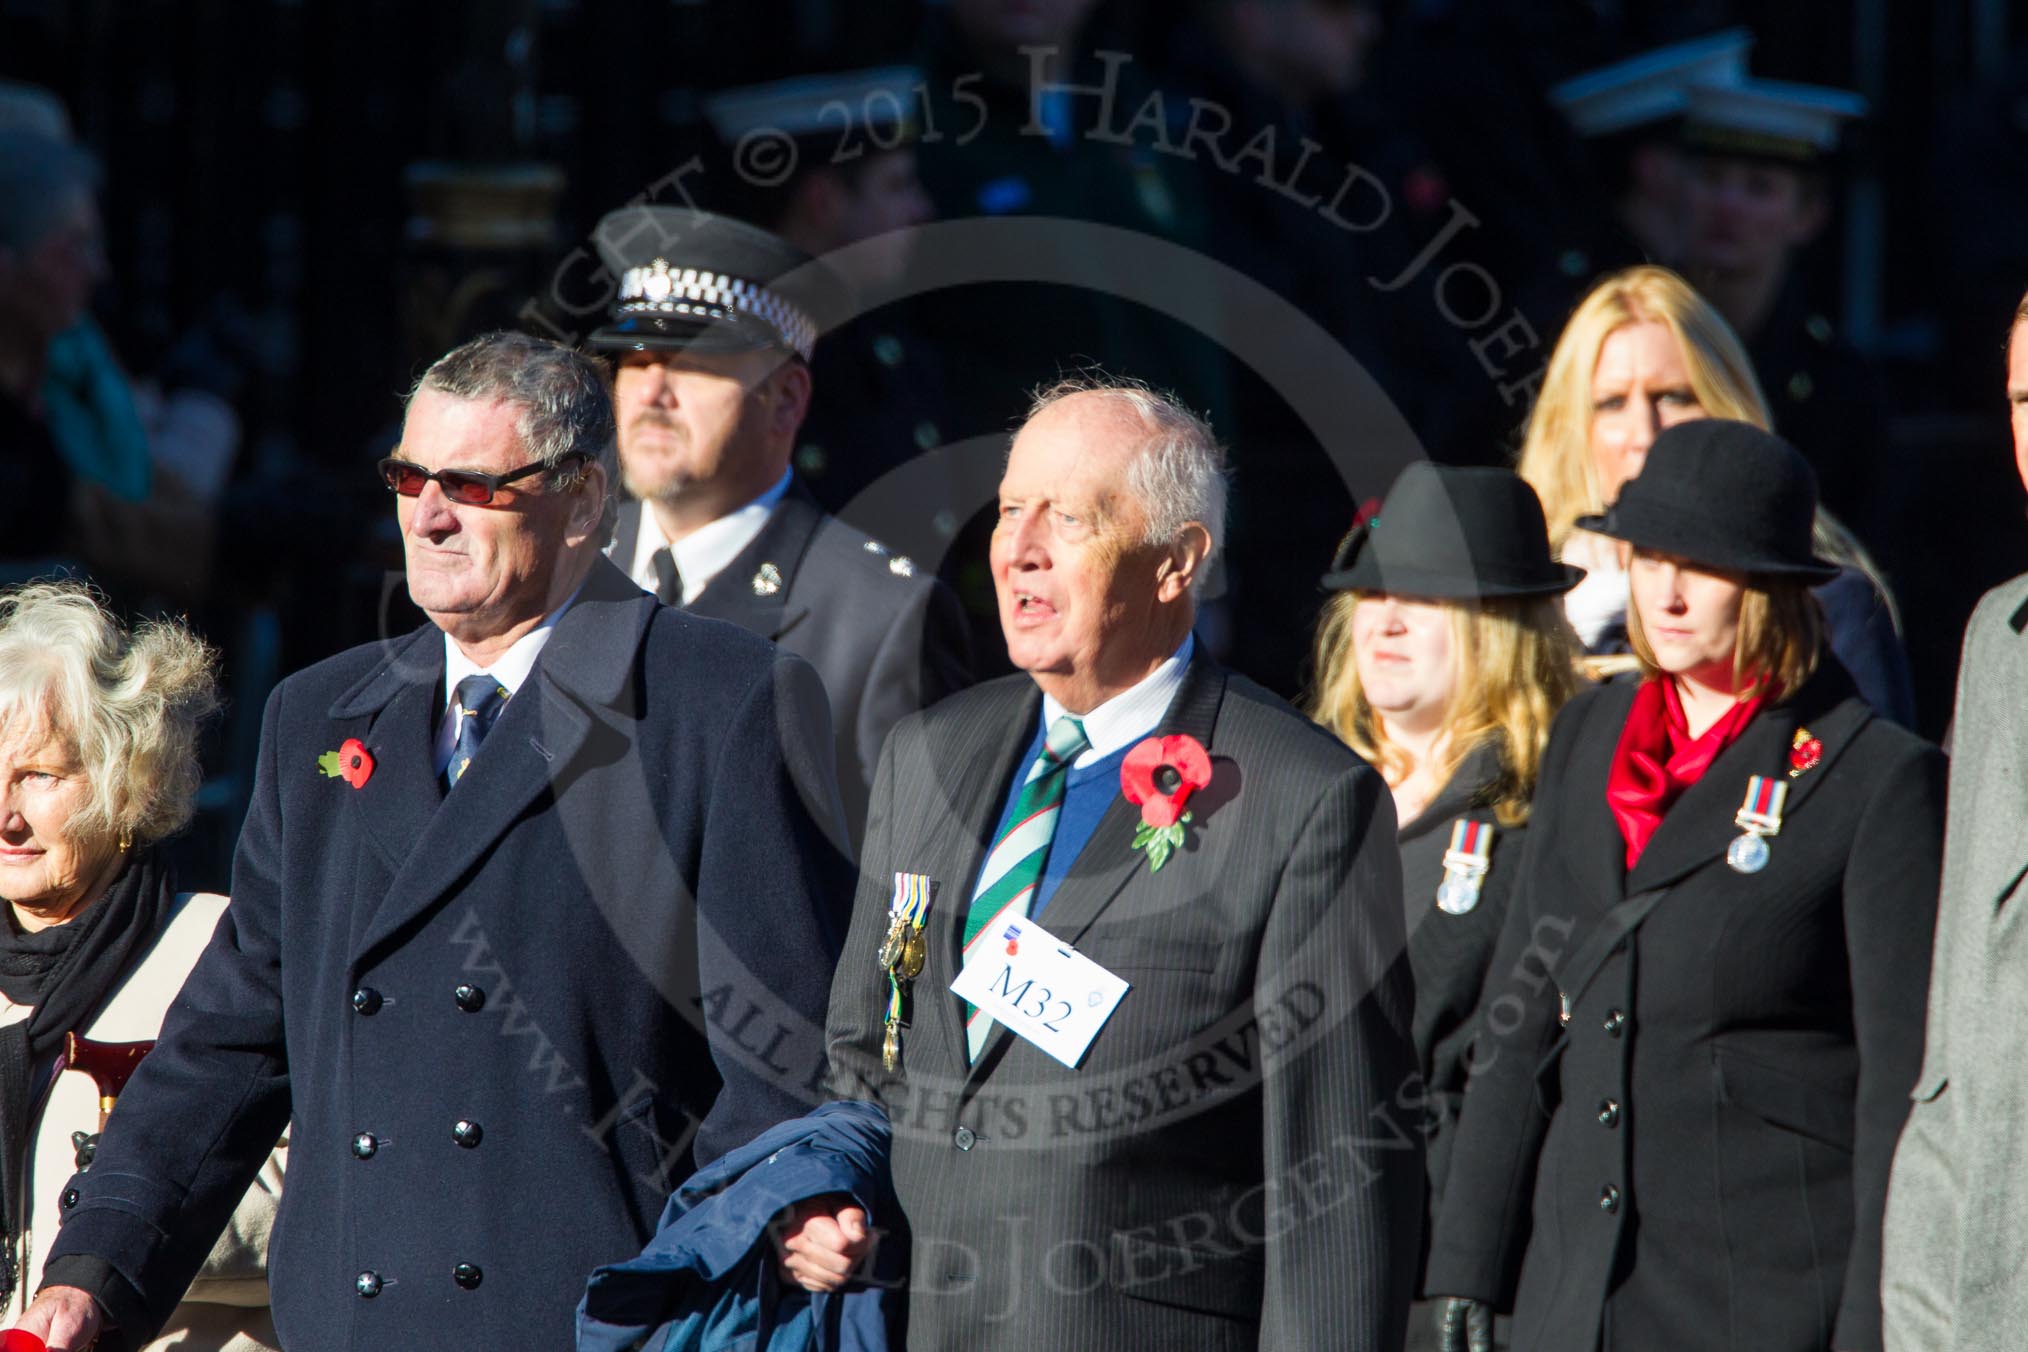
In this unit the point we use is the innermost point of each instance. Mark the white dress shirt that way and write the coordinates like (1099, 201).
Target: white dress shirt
(704, 553)
(1130, 715)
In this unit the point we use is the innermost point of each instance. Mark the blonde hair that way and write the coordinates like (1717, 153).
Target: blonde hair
(1780, 638)
(1516, 664)
(1556, 457)
(129, 704)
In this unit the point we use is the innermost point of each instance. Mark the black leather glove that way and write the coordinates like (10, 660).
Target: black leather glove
(1464, 1325)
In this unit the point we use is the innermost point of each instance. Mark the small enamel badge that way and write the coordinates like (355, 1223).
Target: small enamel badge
(1758, 818)
(1465, 866)
(767, 581)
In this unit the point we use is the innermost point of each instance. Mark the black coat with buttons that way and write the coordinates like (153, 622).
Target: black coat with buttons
(1706, 1138)
(1449, 953)
(507, 1019)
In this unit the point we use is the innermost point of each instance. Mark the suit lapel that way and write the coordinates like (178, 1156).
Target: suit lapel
(587, 663)
(1597, 853)
(1699, 826)
(1108, 861)
(400, 701)
(742, 594)
(983, 763)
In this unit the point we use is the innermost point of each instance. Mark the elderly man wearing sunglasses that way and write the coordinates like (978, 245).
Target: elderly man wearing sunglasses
(534, 905)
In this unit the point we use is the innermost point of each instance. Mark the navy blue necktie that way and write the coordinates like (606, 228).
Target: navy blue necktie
(475, 704)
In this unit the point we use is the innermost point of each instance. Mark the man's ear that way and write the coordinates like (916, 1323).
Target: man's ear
(788, 397)
(587, 501)
(1177, 573)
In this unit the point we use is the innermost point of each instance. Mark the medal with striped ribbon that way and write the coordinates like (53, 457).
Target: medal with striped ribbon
(1465, 866)
(1759, 817)
(902, 956)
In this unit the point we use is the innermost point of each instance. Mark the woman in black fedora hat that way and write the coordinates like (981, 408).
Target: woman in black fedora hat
(1442, 659)
(1706, 1008)
(1642, 352)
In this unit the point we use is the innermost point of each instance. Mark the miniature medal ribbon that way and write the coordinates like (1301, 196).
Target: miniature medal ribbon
(1759, 816)
(1465, 865)
(902, 954)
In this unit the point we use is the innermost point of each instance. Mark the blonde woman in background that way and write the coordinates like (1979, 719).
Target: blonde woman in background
(1641, 352)
(1442, 660)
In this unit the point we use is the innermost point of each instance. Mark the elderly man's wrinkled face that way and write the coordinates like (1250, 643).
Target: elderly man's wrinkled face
(480, 572)
(1079, 588)
(49, 870)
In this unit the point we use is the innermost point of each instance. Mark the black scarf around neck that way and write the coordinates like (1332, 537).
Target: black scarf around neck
(66, 972)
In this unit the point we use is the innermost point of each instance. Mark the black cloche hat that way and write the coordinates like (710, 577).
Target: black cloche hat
(1453, 533)
(1723, 494)
(691, 279)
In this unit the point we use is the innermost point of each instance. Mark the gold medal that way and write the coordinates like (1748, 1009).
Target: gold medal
(891, 947)
(914, 954)
(890, 1047)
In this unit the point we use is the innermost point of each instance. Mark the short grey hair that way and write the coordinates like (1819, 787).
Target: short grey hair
(1180, 476)
(131, 704)
(564, 396)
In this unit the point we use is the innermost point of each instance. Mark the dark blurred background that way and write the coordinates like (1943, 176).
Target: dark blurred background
(304, 201)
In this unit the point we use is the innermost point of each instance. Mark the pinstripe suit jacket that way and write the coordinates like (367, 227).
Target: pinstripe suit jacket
(1235, 1164)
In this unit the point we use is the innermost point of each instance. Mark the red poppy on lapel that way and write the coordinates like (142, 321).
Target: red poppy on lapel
(1158, 776)
(351, 762)
(1805, 752)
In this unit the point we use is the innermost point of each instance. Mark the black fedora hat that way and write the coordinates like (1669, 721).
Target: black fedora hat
(1453, 533)
(693, 280)
(1723, 494)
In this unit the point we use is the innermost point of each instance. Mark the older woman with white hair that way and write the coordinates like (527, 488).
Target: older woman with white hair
(98, 764)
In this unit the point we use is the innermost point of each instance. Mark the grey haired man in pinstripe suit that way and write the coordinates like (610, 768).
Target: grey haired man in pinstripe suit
(1232, 1162)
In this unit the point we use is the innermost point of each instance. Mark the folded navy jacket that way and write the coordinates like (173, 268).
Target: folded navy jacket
(707, 1280)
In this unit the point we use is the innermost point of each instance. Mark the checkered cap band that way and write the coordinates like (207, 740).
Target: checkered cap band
(659, 289)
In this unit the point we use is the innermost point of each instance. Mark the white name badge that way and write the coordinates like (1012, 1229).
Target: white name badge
(1040, 987)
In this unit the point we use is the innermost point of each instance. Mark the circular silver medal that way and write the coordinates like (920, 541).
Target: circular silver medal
(1747, 854)
(1455, 896)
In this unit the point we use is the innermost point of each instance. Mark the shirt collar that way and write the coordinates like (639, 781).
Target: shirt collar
(1131, 714)
(704, 553)
(511, 668)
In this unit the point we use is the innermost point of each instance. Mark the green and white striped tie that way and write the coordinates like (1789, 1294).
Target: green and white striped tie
(1014, 865)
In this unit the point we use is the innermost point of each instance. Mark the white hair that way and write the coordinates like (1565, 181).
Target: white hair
(129, 703)
(1180, 476)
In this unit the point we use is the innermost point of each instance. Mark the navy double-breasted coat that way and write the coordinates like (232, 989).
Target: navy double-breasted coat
(506, 1019)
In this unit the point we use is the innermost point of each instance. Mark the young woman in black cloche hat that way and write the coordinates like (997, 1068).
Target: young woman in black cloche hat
(1706, 1009)
(1442, 659)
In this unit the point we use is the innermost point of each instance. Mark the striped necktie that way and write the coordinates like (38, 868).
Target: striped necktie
(475, 704)
(1014, 865)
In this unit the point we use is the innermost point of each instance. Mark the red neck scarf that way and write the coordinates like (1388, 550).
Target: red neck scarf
(1657, 759)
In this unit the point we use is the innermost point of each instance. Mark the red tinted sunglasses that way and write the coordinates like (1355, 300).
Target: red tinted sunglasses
(466, 486)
